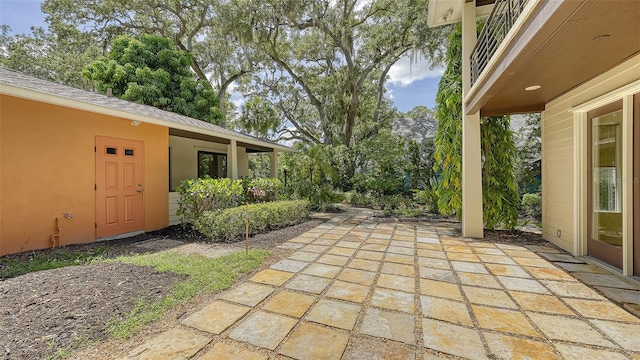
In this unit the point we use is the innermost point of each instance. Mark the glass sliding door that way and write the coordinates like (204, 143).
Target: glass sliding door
(605, 184)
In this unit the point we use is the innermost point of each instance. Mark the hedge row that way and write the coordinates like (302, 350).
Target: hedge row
(230, 223)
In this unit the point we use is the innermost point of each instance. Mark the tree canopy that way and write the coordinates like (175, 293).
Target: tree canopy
(148, 70)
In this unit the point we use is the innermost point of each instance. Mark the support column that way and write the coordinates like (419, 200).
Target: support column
(472, 221)
(274, 163)
(232, 160)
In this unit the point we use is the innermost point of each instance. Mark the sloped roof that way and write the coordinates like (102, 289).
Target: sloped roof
(20, 85)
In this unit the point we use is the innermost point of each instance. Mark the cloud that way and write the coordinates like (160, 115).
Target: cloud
(404, 72)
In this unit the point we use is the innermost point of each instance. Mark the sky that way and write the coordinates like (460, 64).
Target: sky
(412, 83)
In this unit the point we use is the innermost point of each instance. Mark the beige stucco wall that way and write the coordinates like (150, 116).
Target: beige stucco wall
(558, 155)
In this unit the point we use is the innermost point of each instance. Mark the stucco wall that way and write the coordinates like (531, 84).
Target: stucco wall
(558, 153)
(47, 169)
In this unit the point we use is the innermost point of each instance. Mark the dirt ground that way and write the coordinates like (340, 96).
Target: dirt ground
(44, 312)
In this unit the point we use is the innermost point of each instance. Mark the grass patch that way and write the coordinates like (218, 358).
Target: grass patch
(55, 259)
(203, 275)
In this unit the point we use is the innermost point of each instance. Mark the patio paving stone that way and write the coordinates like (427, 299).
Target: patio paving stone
(604, 280)
(603, 310)
(452, 339)
(303, 256)
(290, 303)
(437, 274)
(584, 268)
(549, 274)
(627, 335)
(507, 270)
(482, 250)
(263, 329)
(491, 297)
(379, 235)
(428, 240)
(374, 247)
(395, 282)
(521, 253)
(561, 258)
(399, 258)
(434, 263)
(568, 329)
(303, 239)
(393, 300)
(341, 251)
(327, 343)
(431, 253)
(363, 348)
(348, 244)
(520, 284)
(398, 269)
(315, 248)
(496, 259)
(471, 267)
(388, 325)
(543, 249)
(369, 255)
(456, 256)
(357, 276)
(541, 303)
(311, 284)
(290, 246)
(571, 289)
(534, 262)
(333, 260)
(272, 277)
(348, 291)
(447, 310)
(289, 265)
(216, 317)
(363, 264)
(171, 344)
(403, 250)
(322, 270)
(324, 242)
(222, 351)
(440, 289)
(621, 295)
(573, 352)
(334, 313)
(510, 321)
(481, 280)
(462, 248)
(248, 294)
(509, 347)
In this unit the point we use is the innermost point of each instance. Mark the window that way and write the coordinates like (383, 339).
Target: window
(212, 164)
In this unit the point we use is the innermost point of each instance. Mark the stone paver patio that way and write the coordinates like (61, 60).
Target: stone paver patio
(356, 289)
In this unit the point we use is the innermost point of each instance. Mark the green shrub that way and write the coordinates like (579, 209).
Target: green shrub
(264, 189)
(428, 196)
(200, 195)
(532, 205)
(229, 223)
(357, 199)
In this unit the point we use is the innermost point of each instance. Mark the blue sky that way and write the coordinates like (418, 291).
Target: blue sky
(411, 83)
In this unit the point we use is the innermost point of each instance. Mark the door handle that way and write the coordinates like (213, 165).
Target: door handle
(139, 190)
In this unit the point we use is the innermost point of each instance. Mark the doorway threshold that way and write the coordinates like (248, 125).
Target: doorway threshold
(120, 236)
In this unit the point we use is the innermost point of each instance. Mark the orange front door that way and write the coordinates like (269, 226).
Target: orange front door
(119, 186)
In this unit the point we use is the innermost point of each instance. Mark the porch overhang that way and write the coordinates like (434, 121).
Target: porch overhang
(556, 46)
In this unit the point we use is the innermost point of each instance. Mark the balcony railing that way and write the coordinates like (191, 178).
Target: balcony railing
(502, 18)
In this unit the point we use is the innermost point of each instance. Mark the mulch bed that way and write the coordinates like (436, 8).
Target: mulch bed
(47, 311)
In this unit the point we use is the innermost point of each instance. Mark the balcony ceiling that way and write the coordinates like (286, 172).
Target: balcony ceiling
(560, 46)
(444, 12)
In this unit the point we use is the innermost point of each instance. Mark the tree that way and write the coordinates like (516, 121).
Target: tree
(499, 193)
(448, 141)
(528, 155)
(148, 70)
(203, 28)
(329, 61)
(56, 56)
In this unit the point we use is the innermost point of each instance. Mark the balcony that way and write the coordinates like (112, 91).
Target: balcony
(496, 27)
